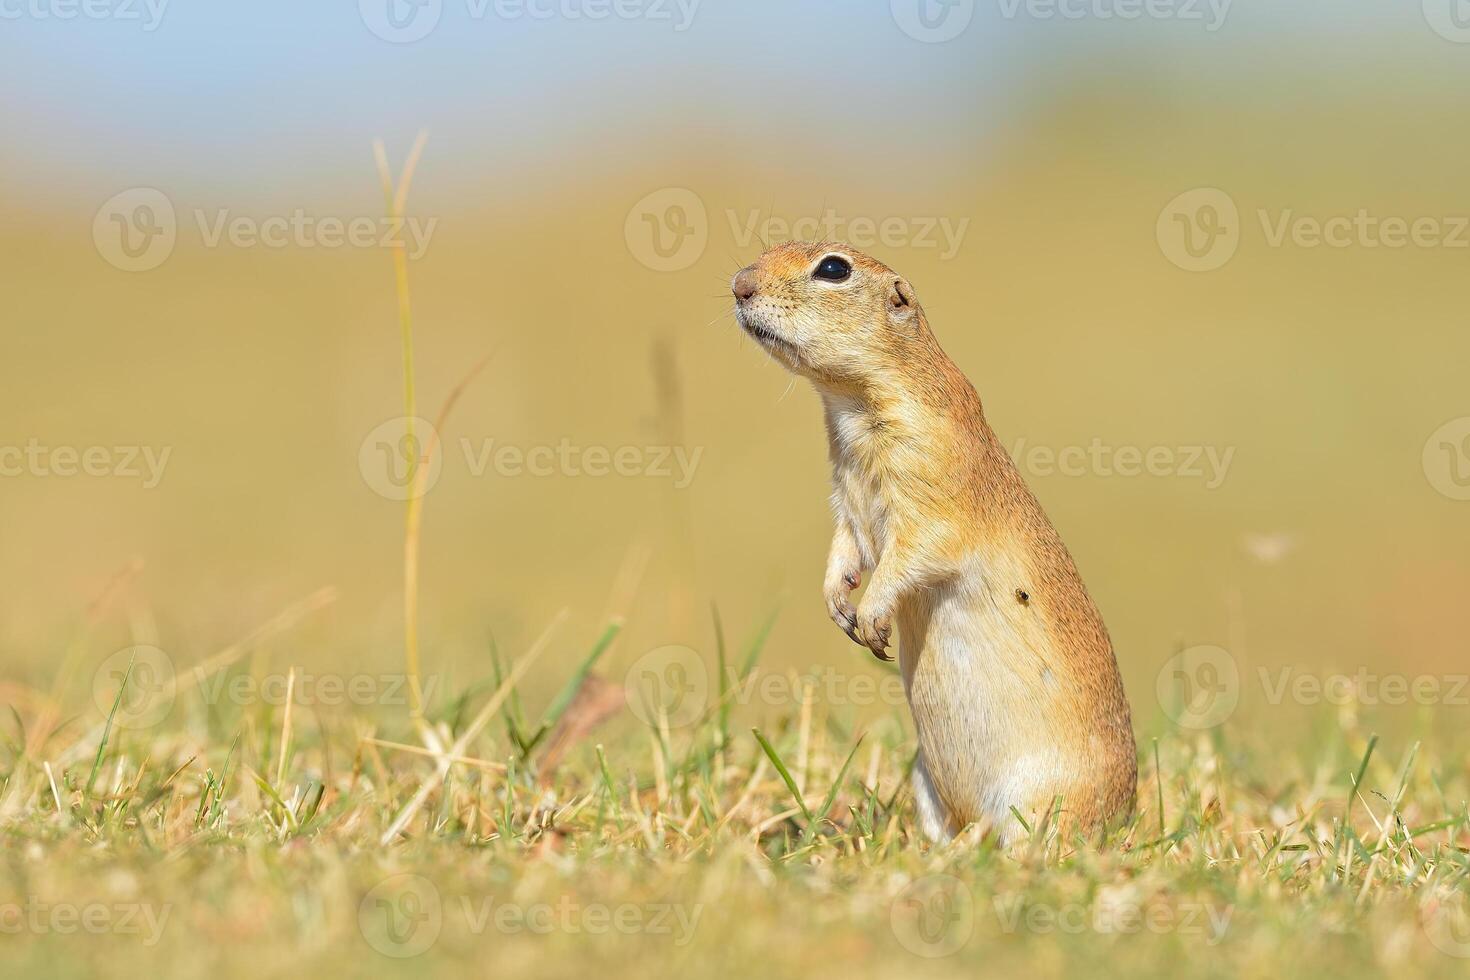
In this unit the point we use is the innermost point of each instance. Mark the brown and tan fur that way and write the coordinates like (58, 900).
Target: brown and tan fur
(1008, 668)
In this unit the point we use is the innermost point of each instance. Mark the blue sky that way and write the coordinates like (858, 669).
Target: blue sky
(277, 91)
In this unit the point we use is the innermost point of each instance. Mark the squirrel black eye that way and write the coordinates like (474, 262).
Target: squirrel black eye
(834, 268)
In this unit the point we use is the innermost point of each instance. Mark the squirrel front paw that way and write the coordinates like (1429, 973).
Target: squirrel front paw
(839, 602)
(873, 630)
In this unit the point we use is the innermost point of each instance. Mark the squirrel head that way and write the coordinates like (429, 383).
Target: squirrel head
(830, 313)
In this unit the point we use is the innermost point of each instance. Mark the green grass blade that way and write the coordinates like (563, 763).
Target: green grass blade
(607, 781)
(723, 670)
(771, 754)
(1345, 830)
(1362, 771)
(107, 728)
(758, 643)
(568, 693)
(826, 807)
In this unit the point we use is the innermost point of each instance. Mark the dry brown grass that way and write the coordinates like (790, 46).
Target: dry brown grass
(229, 840)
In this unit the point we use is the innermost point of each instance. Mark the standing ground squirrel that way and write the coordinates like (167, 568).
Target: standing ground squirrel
(1007, 666)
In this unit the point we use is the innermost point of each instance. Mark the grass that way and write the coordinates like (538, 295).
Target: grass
(451, 836)
(695, 849)
(395, 207)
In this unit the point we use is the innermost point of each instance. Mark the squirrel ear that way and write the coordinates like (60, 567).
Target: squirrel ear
(903, 305)
(900, 295)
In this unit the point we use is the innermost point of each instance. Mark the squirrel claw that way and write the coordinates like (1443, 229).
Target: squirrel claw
(874, 633)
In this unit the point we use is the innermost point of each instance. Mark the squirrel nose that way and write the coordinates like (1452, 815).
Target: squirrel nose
(744, 285)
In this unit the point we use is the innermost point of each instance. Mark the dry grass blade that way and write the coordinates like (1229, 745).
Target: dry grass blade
(395, 201)
(286, 727)
(277, 624)
(480, 721)
(462, 760)
(596, 700)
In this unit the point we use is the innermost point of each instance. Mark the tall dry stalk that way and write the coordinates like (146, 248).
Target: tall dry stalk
(396, 200)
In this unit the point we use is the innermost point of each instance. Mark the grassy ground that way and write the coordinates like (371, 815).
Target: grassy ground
(225, 815)
(237, 837)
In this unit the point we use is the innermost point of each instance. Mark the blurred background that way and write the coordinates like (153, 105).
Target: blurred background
(1254, 436)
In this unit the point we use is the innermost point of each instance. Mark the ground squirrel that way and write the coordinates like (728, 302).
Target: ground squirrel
(1007, 666)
